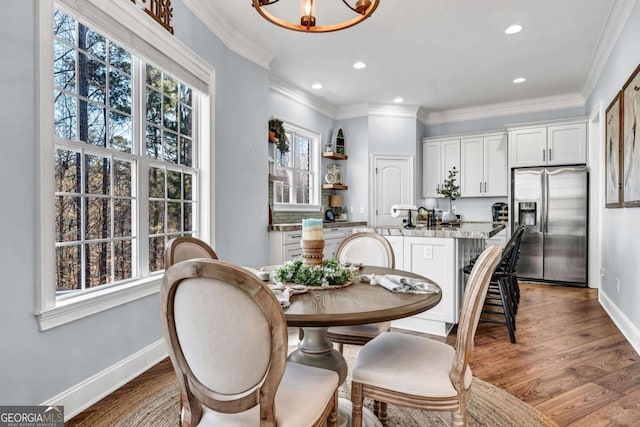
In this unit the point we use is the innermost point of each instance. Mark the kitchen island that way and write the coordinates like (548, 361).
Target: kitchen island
(439, 253)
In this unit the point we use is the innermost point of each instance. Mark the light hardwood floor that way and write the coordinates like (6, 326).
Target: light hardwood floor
(570, 361)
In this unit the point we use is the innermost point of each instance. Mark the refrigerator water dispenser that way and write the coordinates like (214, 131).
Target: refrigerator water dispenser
(527, 213)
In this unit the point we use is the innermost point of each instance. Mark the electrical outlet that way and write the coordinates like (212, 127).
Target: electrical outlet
(361, 209)
(428, 252)
(618, 284)
(603, 272)
(454, 208)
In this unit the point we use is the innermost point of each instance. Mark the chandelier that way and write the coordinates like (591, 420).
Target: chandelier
(363, 9)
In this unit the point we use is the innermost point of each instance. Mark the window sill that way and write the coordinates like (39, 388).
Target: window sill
(282, 207)
(81, 306)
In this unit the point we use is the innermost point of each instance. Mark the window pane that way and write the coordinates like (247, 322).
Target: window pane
(122, 217)
(171, 147)
(68, 275)
(186, 151)
(174, 184)
(65, 116)
(303, 153)
(154, 107)
(92, 42)
(120, 58)
(188, 217)
(156, 182)
(122, 259)
(92, 81)
(119, 91)
(156, 217)
(174, 217)
(92, 124)
(170, 112)
(97, 175)
(98, 268)
(64, 66)
(185, 95)
(122, 178)
(120, 131)
(154, 77)
(170, 86)
(64, 27)
(67, 171)
(154, 142)
(98, 220)
(188, 186)
(185, 120)
(68, 214)
(156, 254)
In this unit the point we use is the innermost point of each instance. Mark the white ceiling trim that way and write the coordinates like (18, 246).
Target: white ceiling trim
(211, 16)
(352, 111)
(612, 30)
(505, 109)
(409, 111)
(284, 88)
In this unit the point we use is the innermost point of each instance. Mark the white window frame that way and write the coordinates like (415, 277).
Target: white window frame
(316, 193)
(137, 32)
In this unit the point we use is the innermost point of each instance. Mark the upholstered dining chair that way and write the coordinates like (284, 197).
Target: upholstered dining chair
(183, 248)
(369, 249)
(227, 338)
(418, 372)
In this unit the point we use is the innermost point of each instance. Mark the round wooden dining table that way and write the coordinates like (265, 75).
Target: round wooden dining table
(359, 303)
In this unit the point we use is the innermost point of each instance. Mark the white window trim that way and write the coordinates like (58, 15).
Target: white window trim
(316, 161)
(110, 17)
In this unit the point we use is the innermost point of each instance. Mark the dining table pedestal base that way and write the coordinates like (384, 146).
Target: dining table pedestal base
(317, 350)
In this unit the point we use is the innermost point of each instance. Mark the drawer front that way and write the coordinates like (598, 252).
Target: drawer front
(334, 233)
(290, 237)
(292, 252)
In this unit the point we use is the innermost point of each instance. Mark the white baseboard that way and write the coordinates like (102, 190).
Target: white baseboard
(84, 394)
(628, 329)
(416, 324)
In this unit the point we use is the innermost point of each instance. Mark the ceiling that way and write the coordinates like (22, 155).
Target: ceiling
(441, 55)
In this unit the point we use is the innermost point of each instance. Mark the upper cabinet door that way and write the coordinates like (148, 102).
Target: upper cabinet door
(450, 158)
(431, 168)
(496, 171)
(528, 147)
(567, 144)
(472, 180)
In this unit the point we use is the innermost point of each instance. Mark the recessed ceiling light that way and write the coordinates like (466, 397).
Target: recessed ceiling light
(359, 65)
(519, 80)
(398, 100)
(316, 86)
(513, 29)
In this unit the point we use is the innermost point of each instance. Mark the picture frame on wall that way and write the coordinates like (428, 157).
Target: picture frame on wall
(631, 140)
(613, 153)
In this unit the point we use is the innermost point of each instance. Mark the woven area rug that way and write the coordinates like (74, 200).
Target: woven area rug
(155, 403)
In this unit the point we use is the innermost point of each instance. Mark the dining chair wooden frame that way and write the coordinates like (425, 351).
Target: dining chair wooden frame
(194, 248)
(262, 390)
(456, 403)
(361, 334)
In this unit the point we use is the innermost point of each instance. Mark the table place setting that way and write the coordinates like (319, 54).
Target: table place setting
(400, 284)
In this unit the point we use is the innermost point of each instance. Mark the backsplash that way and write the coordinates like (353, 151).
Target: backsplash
(288, 217)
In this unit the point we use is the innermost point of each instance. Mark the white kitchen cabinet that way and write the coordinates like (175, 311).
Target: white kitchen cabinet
(397, 244)
(285, 245)
(548, 144)
(483, 171)
(332, 239)
(438, 157)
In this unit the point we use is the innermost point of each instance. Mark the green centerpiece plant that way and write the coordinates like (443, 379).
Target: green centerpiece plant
(451, 191)
(331, 273)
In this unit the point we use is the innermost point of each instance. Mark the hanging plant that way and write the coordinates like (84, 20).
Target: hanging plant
(277, 127)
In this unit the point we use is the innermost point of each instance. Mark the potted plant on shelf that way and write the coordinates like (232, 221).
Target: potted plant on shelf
(451, 191)
(279, 136)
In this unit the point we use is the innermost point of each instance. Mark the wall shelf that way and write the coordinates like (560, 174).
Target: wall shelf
(274, 178)
(335, 156)
(334, 187)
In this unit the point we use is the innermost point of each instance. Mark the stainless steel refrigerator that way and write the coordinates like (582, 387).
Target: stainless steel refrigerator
(552, 204)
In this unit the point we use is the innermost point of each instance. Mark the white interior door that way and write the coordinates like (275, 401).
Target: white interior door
(392, 184)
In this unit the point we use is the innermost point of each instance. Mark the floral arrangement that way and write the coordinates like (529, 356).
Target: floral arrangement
(277, 127)
(331, 273)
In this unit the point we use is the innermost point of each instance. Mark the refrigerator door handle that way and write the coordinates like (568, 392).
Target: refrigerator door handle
(546, 200)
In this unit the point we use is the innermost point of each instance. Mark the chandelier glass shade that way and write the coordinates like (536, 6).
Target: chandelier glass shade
(362, 8)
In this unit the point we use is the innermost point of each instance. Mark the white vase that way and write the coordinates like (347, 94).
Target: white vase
(447, 217)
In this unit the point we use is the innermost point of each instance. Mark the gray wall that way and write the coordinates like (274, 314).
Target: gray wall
(620, 227)
(34, 365)
(357, 148)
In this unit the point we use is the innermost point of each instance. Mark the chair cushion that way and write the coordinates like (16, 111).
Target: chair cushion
(302, 395)
(368, 330)
(408, 364)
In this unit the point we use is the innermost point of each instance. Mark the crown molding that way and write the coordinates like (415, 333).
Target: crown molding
(285, 88)
(505, 109)
(211, 16)
(393, 110)
(610, 35)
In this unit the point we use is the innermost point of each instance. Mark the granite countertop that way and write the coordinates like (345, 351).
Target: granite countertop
(298, 225)
(465, 230)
